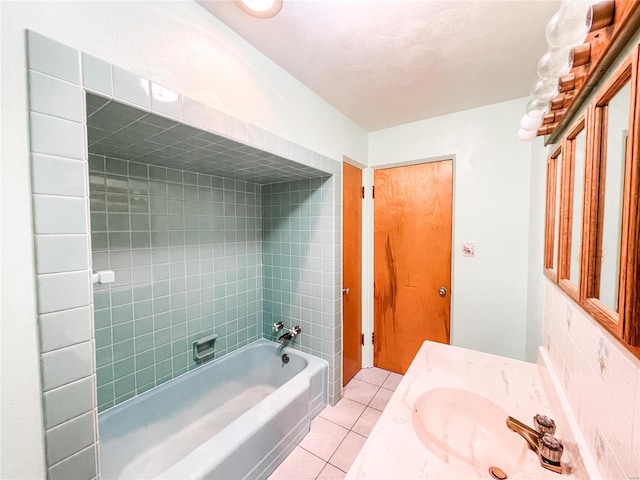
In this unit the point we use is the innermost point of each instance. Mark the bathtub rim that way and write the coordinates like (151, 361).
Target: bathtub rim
(198, 369)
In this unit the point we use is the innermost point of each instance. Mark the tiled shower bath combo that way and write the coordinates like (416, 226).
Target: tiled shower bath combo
(211, 225)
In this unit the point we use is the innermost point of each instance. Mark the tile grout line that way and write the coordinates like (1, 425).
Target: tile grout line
(354, 424)
(326, 462)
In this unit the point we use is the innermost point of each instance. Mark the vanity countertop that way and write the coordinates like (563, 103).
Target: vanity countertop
(394, 450)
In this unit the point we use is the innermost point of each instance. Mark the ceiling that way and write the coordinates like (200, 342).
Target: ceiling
(387, 62)
(119, 131)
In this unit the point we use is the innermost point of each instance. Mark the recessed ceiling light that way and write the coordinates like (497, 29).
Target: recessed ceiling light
(260, 8)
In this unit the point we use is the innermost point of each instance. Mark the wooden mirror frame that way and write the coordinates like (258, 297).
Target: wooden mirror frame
(625, 323)
(566, 208)
(631, 235)
(551, 236)
(593, 236)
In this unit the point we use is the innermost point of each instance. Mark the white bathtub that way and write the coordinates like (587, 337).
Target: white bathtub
(233, 418)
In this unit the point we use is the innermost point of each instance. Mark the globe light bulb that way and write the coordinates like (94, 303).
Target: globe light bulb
(537, 107)
(570, 25)
(527, 135)
(527, 122)
(545, 89)
(555, 62)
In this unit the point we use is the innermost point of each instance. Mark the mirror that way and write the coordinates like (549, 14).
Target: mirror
(552, 217)
(556, 220)
(615, 133)
(579, 148)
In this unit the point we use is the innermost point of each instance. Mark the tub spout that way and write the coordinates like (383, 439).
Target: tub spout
(285, 337)
(290, 334)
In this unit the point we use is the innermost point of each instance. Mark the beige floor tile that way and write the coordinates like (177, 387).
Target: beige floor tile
(367, 421)
(392, 381)
(345, 413)
(299, 465)
(381, 398)
(329, 472)
(373, 375)
(324, 438)
(347, 451)
(359, 391)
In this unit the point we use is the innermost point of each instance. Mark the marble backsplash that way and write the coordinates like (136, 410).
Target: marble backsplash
(601, 381)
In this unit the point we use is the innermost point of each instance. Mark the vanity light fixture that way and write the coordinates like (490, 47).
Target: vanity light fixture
(260, 8)
(565, 34)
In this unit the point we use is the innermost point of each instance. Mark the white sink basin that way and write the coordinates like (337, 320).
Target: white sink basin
(468, 432)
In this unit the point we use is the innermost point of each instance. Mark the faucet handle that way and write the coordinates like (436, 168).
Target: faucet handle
(544, 424)
(550, 449)
(278, 326)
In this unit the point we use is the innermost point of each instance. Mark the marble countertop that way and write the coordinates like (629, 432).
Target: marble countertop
(393, 450)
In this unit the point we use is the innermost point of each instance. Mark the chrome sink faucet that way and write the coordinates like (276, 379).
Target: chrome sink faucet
(541, 440)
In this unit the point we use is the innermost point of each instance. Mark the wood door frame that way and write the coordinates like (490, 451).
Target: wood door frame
(367, 250)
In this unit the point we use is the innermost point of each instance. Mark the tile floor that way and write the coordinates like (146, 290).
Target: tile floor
(338, 433)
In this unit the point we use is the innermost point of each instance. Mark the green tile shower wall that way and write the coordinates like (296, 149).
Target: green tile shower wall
(186, 252)
(301, 271)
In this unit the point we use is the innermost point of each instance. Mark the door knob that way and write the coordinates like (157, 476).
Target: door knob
(442, 291)
(345, 291)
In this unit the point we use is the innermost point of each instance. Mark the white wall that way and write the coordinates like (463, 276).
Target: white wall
(535, 286)
(177, 44)
(491, 207)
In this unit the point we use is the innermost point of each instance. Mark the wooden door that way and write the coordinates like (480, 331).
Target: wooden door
(351, 271)
(412, 260)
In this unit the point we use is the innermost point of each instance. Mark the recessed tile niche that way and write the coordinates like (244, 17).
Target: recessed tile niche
(179, 214)
(210, 225)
